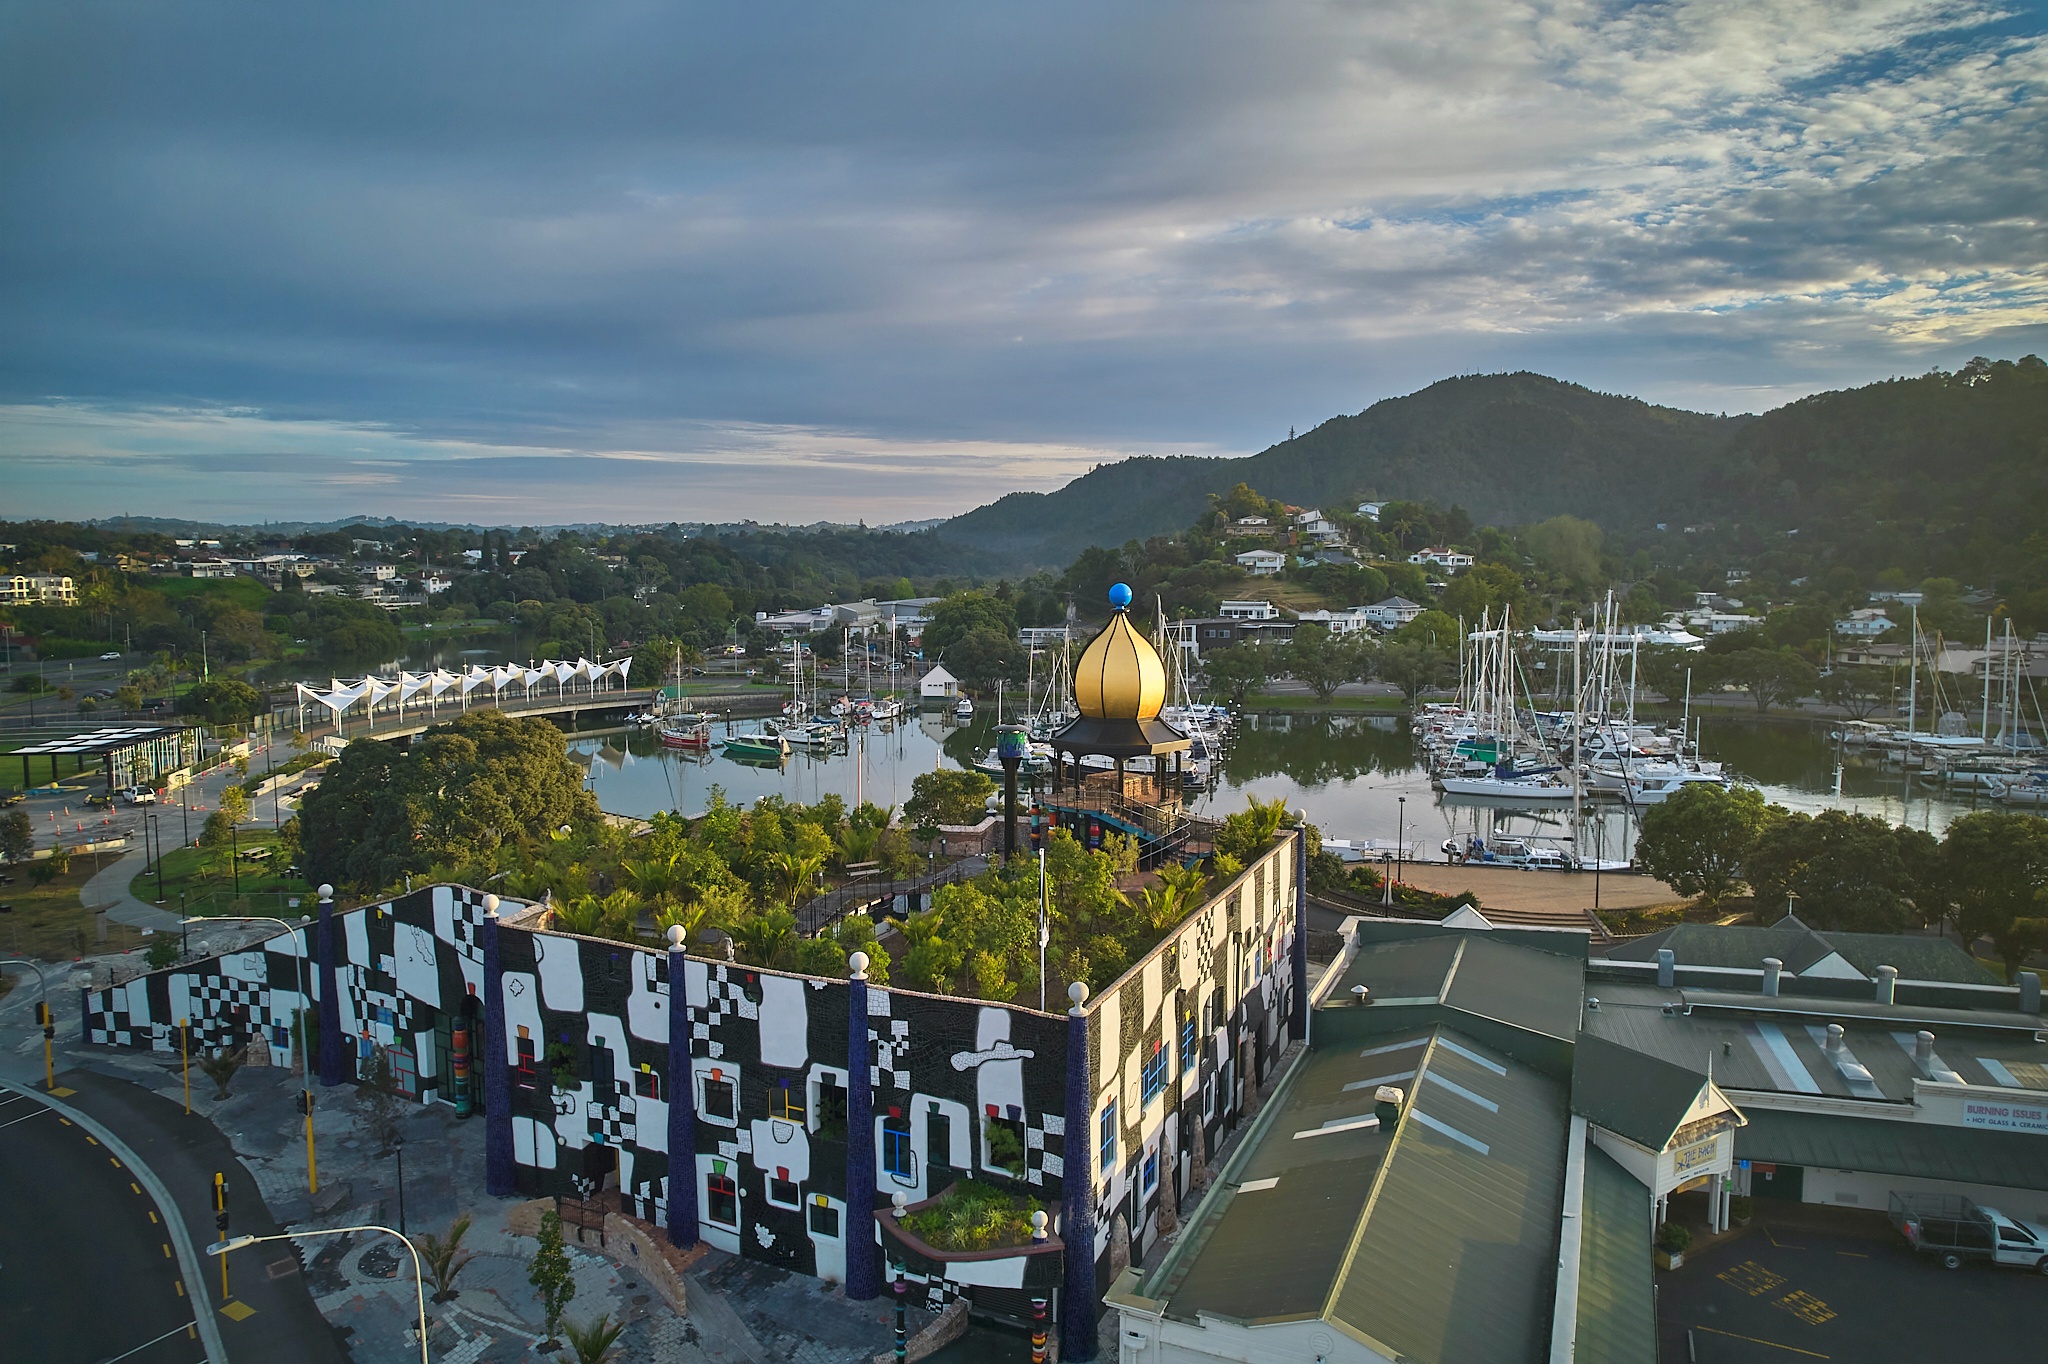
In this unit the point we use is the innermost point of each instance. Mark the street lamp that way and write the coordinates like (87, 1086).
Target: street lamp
(43, 1016)
(1400, 837)
(419, 1277)
(305, 1037)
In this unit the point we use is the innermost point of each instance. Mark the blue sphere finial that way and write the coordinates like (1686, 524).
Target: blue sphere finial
(1120, 596)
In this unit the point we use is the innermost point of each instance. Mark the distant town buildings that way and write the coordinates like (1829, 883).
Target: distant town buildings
(30, 589)
(1262, 563)
(1450, 560)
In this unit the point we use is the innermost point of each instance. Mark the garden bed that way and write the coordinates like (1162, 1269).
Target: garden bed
(971, 1218)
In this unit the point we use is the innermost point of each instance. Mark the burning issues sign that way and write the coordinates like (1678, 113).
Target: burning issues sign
(2006, 1117)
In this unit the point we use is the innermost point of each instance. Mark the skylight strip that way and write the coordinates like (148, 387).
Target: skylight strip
(1997, 1071)
(1381, 1080)
(1441, 1083)
(1256, 1185)
(1789, 1064)
(1447, 1130)
(1338, 1125)
(1394, 1046)
(1474, 1057)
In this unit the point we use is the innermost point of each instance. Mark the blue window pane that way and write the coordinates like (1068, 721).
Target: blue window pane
(1109, 1135)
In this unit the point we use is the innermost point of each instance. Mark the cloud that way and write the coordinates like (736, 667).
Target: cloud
(917, 254)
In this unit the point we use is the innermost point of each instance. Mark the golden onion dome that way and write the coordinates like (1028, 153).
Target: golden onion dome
(1119, 675)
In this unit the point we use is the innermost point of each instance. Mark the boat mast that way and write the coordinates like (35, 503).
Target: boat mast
(1913, 678)
(1984, 721)
(1578, 706)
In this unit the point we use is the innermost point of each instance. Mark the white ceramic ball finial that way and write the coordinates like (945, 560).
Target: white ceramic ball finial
(1078, 992)
(490, 906)
(326, 892)
(859, 963)
(1038, 1225)
(901, 1201)
(675, 937)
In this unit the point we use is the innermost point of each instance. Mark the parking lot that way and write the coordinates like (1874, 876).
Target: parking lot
(1825, 1283)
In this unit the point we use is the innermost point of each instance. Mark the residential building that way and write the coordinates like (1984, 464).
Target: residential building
(1197, 637)
(1393, 612)
(1045, 636)
(1864, 624)
(1370, 510)
(1248, 610)
(28, 589)
(1248, 525)
(937, 684)
(1902, 598)
(908, 614)
(1344, 622)
(1450, 560)
(1262, 563)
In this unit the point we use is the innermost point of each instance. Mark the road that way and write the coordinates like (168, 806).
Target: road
(86, 1268)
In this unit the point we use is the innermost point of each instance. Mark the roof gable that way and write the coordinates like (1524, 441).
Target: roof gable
(1637, 1096)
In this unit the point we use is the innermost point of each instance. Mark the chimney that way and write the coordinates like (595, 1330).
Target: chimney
(1361, 995)
(1386, 1105)
(1887, 984)
(2030, 992)
(1923, 1051)
(1773, 968)
(1835, 1038)
(1667, 967)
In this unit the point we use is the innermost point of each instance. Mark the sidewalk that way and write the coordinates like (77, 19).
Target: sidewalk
(108, 891)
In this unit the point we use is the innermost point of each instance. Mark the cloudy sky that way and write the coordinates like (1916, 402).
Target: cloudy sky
(517, 262)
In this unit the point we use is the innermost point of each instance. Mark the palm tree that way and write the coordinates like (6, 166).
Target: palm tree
(593, 1342)
(794, 872)
(445, 1259)
(686, 917)
(761, 939)
(580, 915)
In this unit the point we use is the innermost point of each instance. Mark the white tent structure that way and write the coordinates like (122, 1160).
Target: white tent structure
(937, 684)
(366, 695)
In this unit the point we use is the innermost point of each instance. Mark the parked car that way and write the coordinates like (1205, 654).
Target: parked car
(139, 795)
(10, 796)
(115, 654)
(1954, 1229)
(100, 800)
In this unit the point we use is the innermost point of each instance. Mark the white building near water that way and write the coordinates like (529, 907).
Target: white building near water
(1248, 610)
(1343, 622)
(937, 684)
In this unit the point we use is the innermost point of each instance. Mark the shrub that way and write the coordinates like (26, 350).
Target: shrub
(1673, 1239)
(974, 1216)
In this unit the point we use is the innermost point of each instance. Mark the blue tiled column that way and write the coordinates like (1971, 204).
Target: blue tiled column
(1300, 1027)
(500, 1169)
(1078, 1304)
(330, 996)
(863, 1256)
(682, 1104)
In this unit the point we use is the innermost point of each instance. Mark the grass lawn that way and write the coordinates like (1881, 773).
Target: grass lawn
(245, 592)
(51, 923)
(208, 887)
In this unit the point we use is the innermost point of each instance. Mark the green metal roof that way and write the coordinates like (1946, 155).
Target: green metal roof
(1915, 1150)
(1435, 1242)
(1916, 956)
(1630, 1093)
(1467, 970)
(1617, 1321)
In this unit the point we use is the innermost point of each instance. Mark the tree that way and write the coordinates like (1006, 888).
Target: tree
(548, 1272)
(464, 790)
(1858, 691)
(222, 701)
(762, 939)
(1851, 872)
(948, 796)
(1486, 591)
(220, 1067)
(1238, 671)
(1697, 839)
(1323, 662)
(964, 613)
(1414, 667)
(1993, 872)
(445, 1258)
(17, 836)
(983, 656)
(1566, 547)
(234, 803)
(1768, 675)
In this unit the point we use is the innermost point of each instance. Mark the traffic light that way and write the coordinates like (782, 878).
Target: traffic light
(48, 1019)
(220, 1204)
(303, 1102)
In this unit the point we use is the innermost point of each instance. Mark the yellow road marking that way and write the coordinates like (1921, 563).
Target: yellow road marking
(167, 1250)
(134, 1186)
(1794, 1349)
(1751, 1277)
(152, 1215)
(93, 1140)
(1807, 1308)
(238, 1311)
(114, 1161)
(179, 1284)
(65, 1121)
(1853, 1254)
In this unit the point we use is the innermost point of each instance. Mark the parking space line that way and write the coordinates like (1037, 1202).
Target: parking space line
(1791, 1349)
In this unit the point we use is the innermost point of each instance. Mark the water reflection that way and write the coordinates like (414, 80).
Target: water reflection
(1356, 776)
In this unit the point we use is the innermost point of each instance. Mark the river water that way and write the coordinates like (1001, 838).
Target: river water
(1355, 775)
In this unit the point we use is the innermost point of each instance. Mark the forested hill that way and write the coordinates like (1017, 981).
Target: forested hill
(1509, 448)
